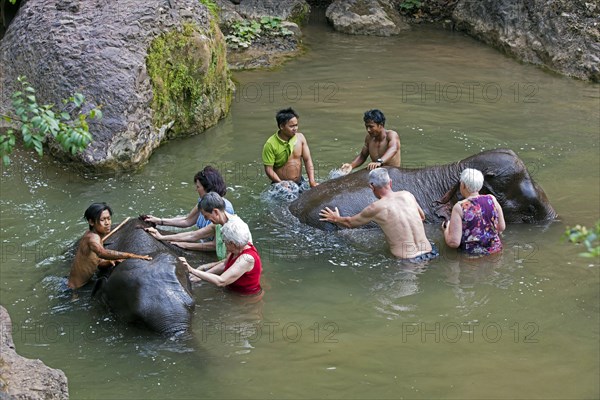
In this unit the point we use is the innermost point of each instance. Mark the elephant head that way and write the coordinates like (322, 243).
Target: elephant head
(154, 293)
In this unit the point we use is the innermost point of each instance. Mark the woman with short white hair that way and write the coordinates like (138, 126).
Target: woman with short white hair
(477, 221)
(241, 270)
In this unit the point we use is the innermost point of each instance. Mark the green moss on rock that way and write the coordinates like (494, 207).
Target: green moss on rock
(191, 82)
(300, 14)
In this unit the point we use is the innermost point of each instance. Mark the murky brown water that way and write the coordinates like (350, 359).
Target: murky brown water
(339, 319)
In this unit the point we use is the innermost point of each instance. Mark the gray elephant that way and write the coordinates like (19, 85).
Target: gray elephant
(155, 294)
(436, 190)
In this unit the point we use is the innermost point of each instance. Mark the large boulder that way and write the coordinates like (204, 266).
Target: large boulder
(296, 11)
(23, 378)
(562, 35)
(158, 69)
(366, 17)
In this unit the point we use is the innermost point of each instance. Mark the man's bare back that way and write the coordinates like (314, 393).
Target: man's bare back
(401, 220)
(397, 213)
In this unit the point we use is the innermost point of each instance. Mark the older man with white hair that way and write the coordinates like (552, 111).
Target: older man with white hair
(397, 213)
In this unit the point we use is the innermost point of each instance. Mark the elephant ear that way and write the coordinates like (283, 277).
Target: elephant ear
(488, 187)
(443, 210)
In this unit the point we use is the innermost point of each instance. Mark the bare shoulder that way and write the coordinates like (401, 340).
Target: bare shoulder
(405, 194)
(301, 137)
(391, 134)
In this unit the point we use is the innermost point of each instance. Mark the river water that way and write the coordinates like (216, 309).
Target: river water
(339, 319)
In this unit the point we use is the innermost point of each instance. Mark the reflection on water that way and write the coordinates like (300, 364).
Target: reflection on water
(337, 311)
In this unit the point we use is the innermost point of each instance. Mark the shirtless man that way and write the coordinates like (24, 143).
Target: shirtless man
(381, 144)
(285, 150)
(397, 213)
(91, 253)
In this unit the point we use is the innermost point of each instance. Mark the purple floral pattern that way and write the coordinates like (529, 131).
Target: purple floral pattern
(480, 235)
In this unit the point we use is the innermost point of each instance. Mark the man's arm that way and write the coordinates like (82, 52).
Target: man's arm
(190, 236)
(180, 222)
(359, 159)
(96, 246)
(308, 163)
(360, 219)
(271, 174)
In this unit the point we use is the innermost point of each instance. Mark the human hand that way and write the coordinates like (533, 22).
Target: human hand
(184, 262)
(328, 214)
(150, 218)
(346, 168)
(313, 184)
(373, 165)
(147, 258)
(154, 233)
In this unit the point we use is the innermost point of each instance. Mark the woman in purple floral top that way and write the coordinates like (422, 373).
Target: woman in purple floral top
(477, 221)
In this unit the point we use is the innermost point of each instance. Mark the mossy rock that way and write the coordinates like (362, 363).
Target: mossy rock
(191, 83)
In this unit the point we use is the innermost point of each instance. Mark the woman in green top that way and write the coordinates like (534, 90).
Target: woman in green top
(212, 207)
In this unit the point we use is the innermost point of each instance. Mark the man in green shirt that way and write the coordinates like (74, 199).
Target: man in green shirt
(285, 150)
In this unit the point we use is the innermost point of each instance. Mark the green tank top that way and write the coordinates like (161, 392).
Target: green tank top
(221, 249)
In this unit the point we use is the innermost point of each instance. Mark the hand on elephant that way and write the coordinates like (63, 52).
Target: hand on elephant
(327, 214)
(154, 233)
(346, 168)
(190, 269)
(147, 258)
(374, 165)
(152, 219)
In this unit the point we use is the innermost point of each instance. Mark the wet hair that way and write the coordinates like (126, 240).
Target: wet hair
(473, 179)
(379, 177)
(94, 212)
(236, 231)
(374, 115)
(211, 180)
(283, 116)
(210, 201)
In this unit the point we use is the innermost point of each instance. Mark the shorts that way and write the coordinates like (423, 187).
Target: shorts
(426, 256)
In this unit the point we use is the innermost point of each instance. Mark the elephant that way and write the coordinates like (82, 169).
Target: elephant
(155, 294)
(436, 190)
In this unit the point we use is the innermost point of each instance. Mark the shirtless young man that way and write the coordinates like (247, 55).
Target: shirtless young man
(397, 213)
(381, 144)
(91, 253)
(285, 150)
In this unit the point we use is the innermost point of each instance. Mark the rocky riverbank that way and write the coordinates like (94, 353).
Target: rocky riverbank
(559, 35)
(23, 378)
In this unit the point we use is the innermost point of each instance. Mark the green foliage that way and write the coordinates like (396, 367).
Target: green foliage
(35, 123)
(590, 238)
(213, 8)
(243, 33)
(409, 5)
